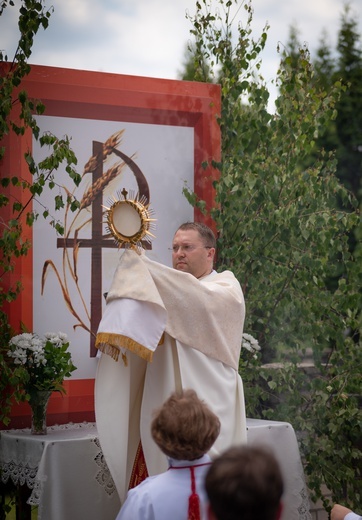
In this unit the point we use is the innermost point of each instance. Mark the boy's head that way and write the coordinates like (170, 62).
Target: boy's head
(245, 482)
(185, 428)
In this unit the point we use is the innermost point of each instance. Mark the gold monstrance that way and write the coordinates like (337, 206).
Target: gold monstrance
(129, 220)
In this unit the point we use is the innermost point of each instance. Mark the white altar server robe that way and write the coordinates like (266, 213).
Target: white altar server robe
(166, 496)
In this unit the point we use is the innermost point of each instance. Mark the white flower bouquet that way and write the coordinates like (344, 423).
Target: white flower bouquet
(39, 363)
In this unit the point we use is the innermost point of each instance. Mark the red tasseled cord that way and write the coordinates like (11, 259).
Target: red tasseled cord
(194, 501)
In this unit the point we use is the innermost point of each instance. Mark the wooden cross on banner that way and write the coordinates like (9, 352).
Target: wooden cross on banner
(97, 242)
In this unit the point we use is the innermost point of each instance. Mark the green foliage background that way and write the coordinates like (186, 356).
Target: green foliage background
(285, 226)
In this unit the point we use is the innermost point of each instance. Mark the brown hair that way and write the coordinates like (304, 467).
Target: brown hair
(245, 482)
(206, 234)
(184, 428)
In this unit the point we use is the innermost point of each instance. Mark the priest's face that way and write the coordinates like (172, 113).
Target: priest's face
(189, 253)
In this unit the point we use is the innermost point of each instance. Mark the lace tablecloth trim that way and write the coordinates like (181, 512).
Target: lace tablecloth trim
(73, 426)
(58, 427)
(34, 499)
(304, 508)
(103, 477)
(18, 473)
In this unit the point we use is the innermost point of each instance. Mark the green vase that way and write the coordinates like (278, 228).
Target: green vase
(39, 403)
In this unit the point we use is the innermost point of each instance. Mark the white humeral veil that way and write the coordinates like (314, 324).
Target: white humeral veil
(164, 330)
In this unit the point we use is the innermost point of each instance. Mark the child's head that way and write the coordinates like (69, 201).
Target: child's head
(184, 428)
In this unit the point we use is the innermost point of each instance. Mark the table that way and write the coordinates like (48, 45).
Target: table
(69, 478)
(281, 439)
(65, 471)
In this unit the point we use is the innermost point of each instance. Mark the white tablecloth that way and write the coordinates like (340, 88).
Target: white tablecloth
(70, 480)
(65, 470)
(281, 439)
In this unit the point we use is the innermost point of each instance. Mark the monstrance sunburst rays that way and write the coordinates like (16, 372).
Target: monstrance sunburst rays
(129, 220)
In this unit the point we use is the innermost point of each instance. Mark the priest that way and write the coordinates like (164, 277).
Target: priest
(163, 330)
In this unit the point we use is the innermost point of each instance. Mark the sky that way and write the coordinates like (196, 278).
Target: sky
(149, 37)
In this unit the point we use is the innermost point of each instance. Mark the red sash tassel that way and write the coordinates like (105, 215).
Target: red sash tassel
(194, 500)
